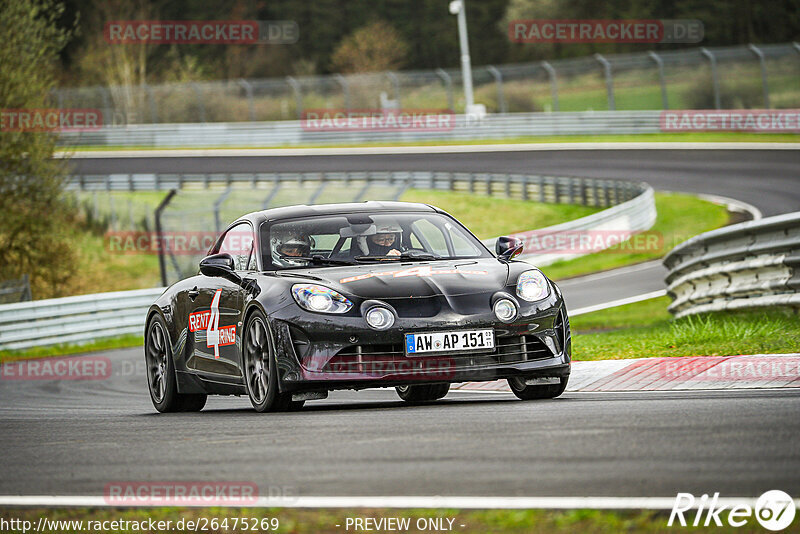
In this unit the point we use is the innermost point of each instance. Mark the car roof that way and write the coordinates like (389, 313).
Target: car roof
(303, 210)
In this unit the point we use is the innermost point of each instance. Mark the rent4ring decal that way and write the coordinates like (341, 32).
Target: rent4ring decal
(208, 320)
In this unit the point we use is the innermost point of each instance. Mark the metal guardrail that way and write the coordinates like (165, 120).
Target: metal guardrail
(753, 264)
(88, 317)
(74, 319)
(15, 290)
(293, 133)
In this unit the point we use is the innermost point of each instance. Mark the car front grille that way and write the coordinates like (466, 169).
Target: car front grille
(370, 359)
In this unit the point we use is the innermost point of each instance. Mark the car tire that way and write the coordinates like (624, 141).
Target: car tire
(526, 392)
(422, 392)
(160, 370)
(259, 365)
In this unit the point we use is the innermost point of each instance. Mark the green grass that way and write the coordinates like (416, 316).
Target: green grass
(688, 137)
(490, 217)
(680, 217)
(120, 342)
(324, 521)
(645, 329)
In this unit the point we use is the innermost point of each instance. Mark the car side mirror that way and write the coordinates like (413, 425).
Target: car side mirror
(508, 248)
(218, 265)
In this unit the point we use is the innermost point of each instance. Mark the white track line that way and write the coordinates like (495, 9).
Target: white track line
(620, 302)
(434, 149)
(437, 501)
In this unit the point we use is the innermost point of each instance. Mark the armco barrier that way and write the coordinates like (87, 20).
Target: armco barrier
(291, 133)
(749, 265)
(74, 319)
(87, 317)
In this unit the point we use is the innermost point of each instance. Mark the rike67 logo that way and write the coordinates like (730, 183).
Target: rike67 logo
(208, 320)
(774, 510)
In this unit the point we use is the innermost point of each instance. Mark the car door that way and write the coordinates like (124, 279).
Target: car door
(215, 318)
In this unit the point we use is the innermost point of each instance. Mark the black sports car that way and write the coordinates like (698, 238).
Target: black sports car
(296, 301)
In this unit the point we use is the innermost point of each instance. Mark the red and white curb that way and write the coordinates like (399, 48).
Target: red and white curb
(678, 373)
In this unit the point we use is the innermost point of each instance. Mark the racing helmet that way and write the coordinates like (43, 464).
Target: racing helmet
(286, 246)
(382, 227)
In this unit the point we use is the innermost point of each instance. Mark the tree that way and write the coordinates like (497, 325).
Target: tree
(371, 48)
(35, 218)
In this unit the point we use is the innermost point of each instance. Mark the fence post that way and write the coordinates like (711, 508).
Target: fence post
(714, 80)
(251, 111)
(161, 261)
(498, 78)
(345, 90)
(448, 85)
(609, 80)
(200, 104)
(760, 55)
(152, 100)
(551, 73)
(396, 85)
(107, 106)
(298, 95)
(661, 80)
(217, 204)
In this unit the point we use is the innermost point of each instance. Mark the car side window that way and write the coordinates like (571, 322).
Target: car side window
(431, 235)
(238, 242)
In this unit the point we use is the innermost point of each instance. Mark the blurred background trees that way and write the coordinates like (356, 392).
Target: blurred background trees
(36, 220)
(331, 32)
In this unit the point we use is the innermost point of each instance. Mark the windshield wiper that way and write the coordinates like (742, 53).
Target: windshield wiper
(410, 255)
(318, 259)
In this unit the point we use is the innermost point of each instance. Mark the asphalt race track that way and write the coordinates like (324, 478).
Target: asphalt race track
(769, 179)
(73, 437)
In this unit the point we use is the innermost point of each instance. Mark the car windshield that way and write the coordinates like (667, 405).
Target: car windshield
(360, 238)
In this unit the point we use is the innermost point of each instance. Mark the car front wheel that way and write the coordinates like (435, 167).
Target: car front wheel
(532, 392)
(422, 392)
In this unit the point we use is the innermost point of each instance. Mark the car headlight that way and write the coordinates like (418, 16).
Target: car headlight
(320, 299)
(532, 286)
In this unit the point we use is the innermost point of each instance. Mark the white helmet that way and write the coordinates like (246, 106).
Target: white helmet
(282, 244)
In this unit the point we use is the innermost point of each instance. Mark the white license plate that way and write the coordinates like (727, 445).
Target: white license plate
(449, 341)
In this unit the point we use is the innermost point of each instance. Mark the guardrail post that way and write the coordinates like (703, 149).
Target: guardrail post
(498, 78)
(551, 73)
(345, 90)
(251, 111)
(161, 261)
(712, 60)
(760, 55)
(584, 200)
(524, 187)
(540, 183)
(268, 200)
(448, 85)
(298, 95)
(609, 80)
(661, 79)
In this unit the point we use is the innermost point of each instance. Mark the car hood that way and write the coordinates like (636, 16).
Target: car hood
(409, 279)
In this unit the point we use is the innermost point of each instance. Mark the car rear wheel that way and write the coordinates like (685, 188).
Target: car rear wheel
(161, 373)
(532, 392)
(260, 373)
(423, 392)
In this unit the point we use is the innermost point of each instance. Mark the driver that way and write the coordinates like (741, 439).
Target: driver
(386, 241)
(291, 246)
